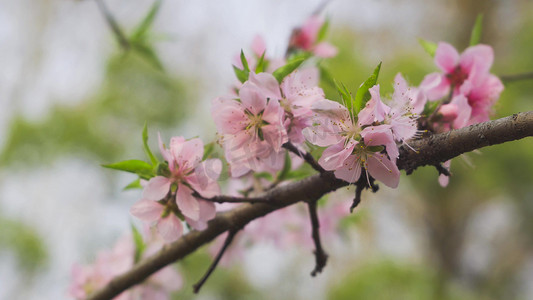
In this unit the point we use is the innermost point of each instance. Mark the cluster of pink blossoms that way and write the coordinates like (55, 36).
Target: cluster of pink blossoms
(466, 79)
(90, 278)
(171, 198)
(264, 116)
(470, 89)
(357, 142)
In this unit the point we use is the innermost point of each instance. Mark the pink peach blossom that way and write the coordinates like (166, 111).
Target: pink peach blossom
(189, 174)
(348, 143)
(300, 90)
(306, 38)
(253, 127)
(110, 263)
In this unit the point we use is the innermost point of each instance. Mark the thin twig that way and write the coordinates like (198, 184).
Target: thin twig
(442, 170)
(227, 242)
(320, 255)
(305, 156)
(110, 19)
(360, 185)
(516, 77)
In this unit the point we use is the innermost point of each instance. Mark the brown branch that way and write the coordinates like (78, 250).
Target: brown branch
(432, 150)
(321, 257)
(438, 148)
(227, 242)
(516, 77)
(305, 156)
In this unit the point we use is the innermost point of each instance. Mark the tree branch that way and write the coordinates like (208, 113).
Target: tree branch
(321, 256)
(305, 156)
(516, 77)
(431, 150)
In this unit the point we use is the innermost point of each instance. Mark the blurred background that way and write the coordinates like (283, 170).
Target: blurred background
(73, 98)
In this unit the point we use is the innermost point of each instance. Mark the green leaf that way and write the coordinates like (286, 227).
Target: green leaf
(282, 72)
(242, 75)
(345, 95)
(323, 31)
(139, 243)
(376, 148)
(363, 95)
(244, 62)
(208, 150)
(430, 47)
(264, 175)
(139, 167)
(475, 37)
(147, 150)
(287, 165)
(298, 174)
(136, 184)
(140, 32)
(261, 64)
(148, 53)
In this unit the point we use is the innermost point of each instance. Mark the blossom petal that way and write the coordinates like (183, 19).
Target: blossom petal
(382, 169)
(190, 153)
(446, 57)
(374, 110)
(435, 86)
(325, 50)
(205, 176)
(479, 57)
(170, 228)
(258, 45)
(464, 111)
(228, 115)
(187, 203)
(164, 152)
(334, 156)
(157, 188)
(350, 171)
(207, 212)
(252, 98)
(147, 210)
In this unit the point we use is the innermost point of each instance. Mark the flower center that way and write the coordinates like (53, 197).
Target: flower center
(457, 77)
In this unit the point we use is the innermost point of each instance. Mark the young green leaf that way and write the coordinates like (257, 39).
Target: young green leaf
(244, 62)
(323, 31)
(475, 37)
(264, 175)
(261, 64)
(363, 95)
(430, 47)
(282, 72)
(139, 167)
(139, 243)
(208, 150)
(147, 150)
(148, 54)
(242, 75)
(136, 184)
(345, 95)
(140, 32)
(287, 165)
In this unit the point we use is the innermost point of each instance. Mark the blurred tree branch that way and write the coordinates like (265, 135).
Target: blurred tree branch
(432, 150)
